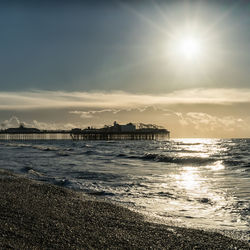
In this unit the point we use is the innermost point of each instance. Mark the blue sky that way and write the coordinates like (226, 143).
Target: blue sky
(57, 47)
(115, 46)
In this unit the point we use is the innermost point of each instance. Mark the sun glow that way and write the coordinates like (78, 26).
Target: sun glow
(190, 47)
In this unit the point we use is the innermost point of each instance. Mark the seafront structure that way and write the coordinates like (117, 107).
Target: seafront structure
(24, 133)
(122, 132)
(128, 131)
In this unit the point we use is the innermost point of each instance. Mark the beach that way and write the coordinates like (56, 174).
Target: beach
(37, 215)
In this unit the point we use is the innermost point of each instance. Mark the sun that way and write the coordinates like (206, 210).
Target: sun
(189, 48)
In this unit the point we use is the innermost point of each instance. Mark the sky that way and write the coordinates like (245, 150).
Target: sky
(184, 65)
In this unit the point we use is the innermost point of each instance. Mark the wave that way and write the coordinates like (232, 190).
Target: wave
(234, 162)
(171, 159)
(62, 182)
(62, 153)
(45, 148)
(39, 147)
(18, 145)
(90, 152)
(69, 149)
(99, 193)
(186, 151)
(177, 160)
(26, 169)
(189, 143)
(205, 200)
(31, 171)
(122, 155)
(167, 194)
(88, 175)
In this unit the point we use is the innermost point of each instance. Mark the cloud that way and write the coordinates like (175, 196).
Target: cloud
(91, 113)
(14, 122)
(206, 122)
(117, 100)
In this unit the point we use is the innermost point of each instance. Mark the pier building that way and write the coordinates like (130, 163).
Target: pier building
(122, 132)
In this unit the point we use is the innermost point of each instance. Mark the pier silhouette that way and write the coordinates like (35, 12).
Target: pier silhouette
(116, 132)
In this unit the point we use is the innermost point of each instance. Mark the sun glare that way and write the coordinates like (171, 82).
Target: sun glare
(190, 47)
(187, 48)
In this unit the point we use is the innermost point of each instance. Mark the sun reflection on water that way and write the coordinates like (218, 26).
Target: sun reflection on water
(216, 166)
(192, 185)
(188, 178)
(198, 147)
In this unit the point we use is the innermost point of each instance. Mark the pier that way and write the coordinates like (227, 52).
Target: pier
(115, 132)
(23, 133)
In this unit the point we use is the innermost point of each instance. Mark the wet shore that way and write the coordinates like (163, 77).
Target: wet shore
(36, 215)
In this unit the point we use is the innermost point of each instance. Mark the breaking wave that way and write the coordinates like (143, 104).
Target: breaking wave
(178, 160)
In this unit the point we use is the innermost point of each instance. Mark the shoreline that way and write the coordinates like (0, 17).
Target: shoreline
(38, 215)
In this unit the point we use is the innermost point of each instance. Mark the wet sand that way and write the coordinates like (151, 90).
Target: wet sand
(36, 215)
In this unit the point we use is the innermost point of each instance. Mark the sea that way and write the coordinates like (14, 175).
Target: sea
(194, 183)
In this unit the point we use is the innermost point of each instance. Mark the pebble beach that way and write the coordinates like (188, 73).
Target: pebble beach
(37, 215)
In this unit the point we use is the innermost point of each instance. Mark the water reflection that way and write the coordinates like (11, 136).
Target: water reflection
(189, 178)
(216, 166)
(200, 193)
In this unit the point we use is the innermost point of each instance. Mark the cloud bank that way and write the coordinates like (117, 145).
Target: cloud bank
(201, 113)
(59, 99)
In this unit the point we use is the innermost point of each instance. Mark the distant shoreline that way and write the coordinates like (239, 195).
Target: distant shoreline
(39, 215)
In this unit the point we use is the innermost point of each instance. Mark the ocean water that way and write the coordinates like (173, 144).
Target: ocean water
(198, 183)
